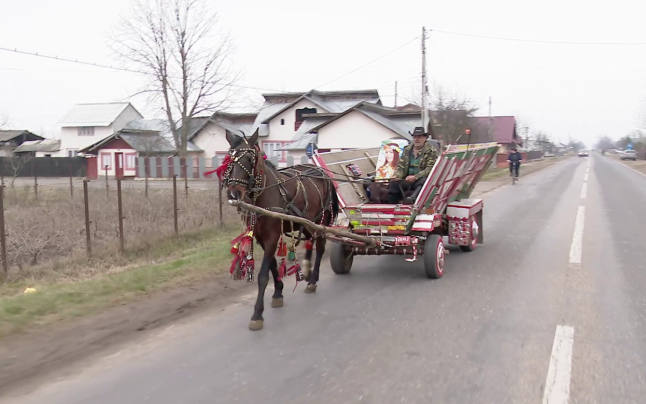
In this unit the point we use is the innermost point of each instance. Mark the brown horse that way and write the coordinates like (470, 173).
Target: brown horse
(304, 190)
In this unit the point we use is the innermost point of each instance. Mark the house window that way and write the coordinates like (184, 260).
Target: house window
(271, 150)
(299, 116)
(72, 152)
(131, 161)
(282, 122)
(106, 160)
(86, 131)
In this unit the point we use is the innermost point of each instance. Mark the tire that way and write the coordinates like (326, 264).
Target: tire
(434, 256)
(341, 258)
(473, 238)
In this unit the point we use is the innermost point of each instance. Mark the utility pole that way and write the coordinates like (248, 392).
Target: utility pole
(424, 85)
(489, 135)
(395, 94)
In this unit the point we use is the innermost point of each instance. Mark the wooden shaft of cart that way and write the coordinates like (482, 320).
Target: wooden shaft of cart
(307, 223)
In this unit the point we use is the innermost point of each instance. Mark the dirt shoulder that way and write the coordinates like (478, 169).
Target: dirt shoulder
(64, 322)
(638, 165)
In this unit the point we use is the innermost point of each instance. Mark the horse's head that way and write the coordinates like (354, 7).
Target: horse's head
(244, 166)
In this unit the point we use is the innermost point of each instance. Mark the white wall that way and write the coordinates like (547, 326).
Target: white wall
(353, 131)
(212, 139)
(71, 140)
(286, 132)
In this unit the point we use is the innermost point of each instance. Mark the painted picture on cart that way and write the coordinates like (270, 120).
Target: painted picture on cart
(389, 155)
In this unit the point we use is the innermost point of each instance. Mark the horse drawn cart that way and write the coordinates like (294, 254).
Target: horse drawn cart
(441, 208)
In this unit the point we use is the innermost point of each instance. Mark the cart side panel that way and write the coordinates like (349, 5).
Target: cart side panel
(455, 174)
(336, 162)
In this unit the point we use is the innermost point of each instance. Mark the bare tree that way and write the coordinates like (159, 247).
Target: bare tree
(451, 115)
(177, 46)
(18, 161)
(605, 143)
(4, 120)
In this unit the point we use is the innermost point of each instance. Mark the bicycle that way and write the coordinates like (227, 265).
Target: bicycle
(513, 170)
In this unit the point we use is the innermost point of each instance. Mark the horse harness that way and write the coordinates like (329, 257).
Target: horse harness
(257, 176)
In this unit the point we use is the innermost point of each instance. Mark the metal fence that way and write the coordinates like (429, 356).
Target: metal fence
(55, 220)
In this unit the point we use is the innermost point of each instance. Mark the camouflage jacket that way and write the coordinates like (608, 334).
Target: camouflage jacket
(427, 160)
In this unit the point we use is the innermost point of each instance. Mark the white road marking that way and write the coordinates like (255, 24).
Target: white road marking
(577, 238)
(584, 191)
(586, 177)
(557, 385)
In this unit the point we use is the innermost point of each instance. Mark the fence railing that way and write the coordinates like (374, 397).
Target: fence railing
(167, 167)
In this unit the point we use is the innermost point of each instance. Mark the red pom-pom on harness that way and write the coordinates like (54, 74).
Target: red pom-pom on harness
(220, 170)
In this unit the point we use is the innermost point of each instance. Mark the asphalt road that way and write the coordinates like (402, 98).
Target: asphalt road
(550, 309)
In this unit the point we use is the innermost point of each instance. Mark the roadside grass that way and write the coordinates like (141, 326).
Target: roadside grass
(182, 260)
(494, 172)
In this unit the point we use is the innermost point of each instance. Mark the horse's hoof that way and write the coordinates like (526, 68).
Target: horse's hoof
(255, 325)
(277, 302)
(310, 288)
(306, 267)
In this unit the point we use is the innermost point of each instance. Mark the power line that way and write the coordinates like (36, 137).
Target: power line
(540, 40)
(104, 66)
(369, 63)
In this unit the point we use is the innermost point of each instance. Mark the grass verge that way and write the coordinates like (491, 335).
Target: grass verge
(187, 259)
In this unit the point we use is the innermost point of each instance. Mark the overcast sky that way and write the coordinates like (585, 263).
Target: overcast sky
(580, 90)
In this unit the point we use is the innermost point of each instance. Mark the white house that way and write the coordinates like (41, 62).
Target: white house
(283, 114)
(278, 120)
(87, 124)
(209, 133)
(364, 125)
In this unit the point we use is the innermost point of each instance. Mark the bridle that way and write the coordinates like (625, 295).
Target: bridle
(255, 174)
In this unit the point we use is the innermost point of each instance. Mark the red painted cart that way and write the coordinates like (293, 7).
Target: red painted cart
(442, 209)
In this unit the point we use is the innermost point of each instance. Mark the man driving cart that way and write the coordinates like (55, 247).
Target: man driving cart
(414, 166)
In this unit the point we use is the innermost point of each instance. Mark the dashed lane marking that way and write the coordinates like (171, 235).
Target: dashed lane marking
(577, 238)
(557, 384)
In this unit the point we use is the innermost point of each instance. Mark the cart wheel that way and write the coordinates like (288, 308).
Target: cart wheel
(473, 237)
(434, 256)
(341, 258)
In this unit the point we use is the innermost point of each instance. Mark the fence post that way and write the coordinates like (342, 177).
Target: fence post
(86, 202)
(175, 204)
(186, 175)
(107, 186)
(3, 241)
(71, 182)
(120, 215)
(147, 169)
(36, 186)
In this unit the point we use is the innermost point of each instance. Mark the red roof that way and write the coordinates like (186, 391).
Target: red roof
(503, 128)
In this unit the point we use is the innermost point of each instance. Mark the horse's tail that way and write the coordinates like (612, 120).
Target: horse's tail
(335, 204)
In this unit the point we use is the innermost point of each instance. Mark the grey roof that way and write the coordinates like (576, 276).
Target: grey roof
(158, 125)
(309, 124)
(7, 135)
(148, 142)
(45, 145)
(100, 114)
(400, 122)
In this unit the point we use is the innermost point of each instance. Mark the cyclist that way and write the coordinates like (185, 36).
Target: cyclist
(514, 158)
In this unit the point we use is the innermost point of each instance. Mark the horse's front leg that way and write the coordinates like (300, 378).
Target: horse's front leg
(320, 250)
(277, 298)
(256, 322)
(306, 264)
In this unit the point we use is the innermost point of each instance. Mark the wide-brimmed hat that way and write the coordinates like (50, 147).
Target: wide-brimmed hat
(418, 131)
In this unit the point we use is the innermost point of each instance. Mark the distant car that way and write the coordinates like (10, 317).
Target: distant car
(628, 155)
(583, 153)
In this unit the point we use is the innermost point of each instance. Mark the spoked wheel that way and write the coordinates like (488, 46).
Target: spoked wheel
(341, 258)
(473, 236)
(434, 256)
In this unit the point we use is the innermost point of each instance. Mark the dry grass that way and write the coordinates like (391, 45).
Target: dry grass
(46, 235)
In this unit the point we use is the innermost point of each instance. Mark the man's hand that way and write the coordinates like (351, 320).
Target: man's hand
(410, 178)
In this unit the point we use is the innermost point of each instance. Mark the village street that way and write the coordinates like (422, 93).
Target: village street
(556, 289)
